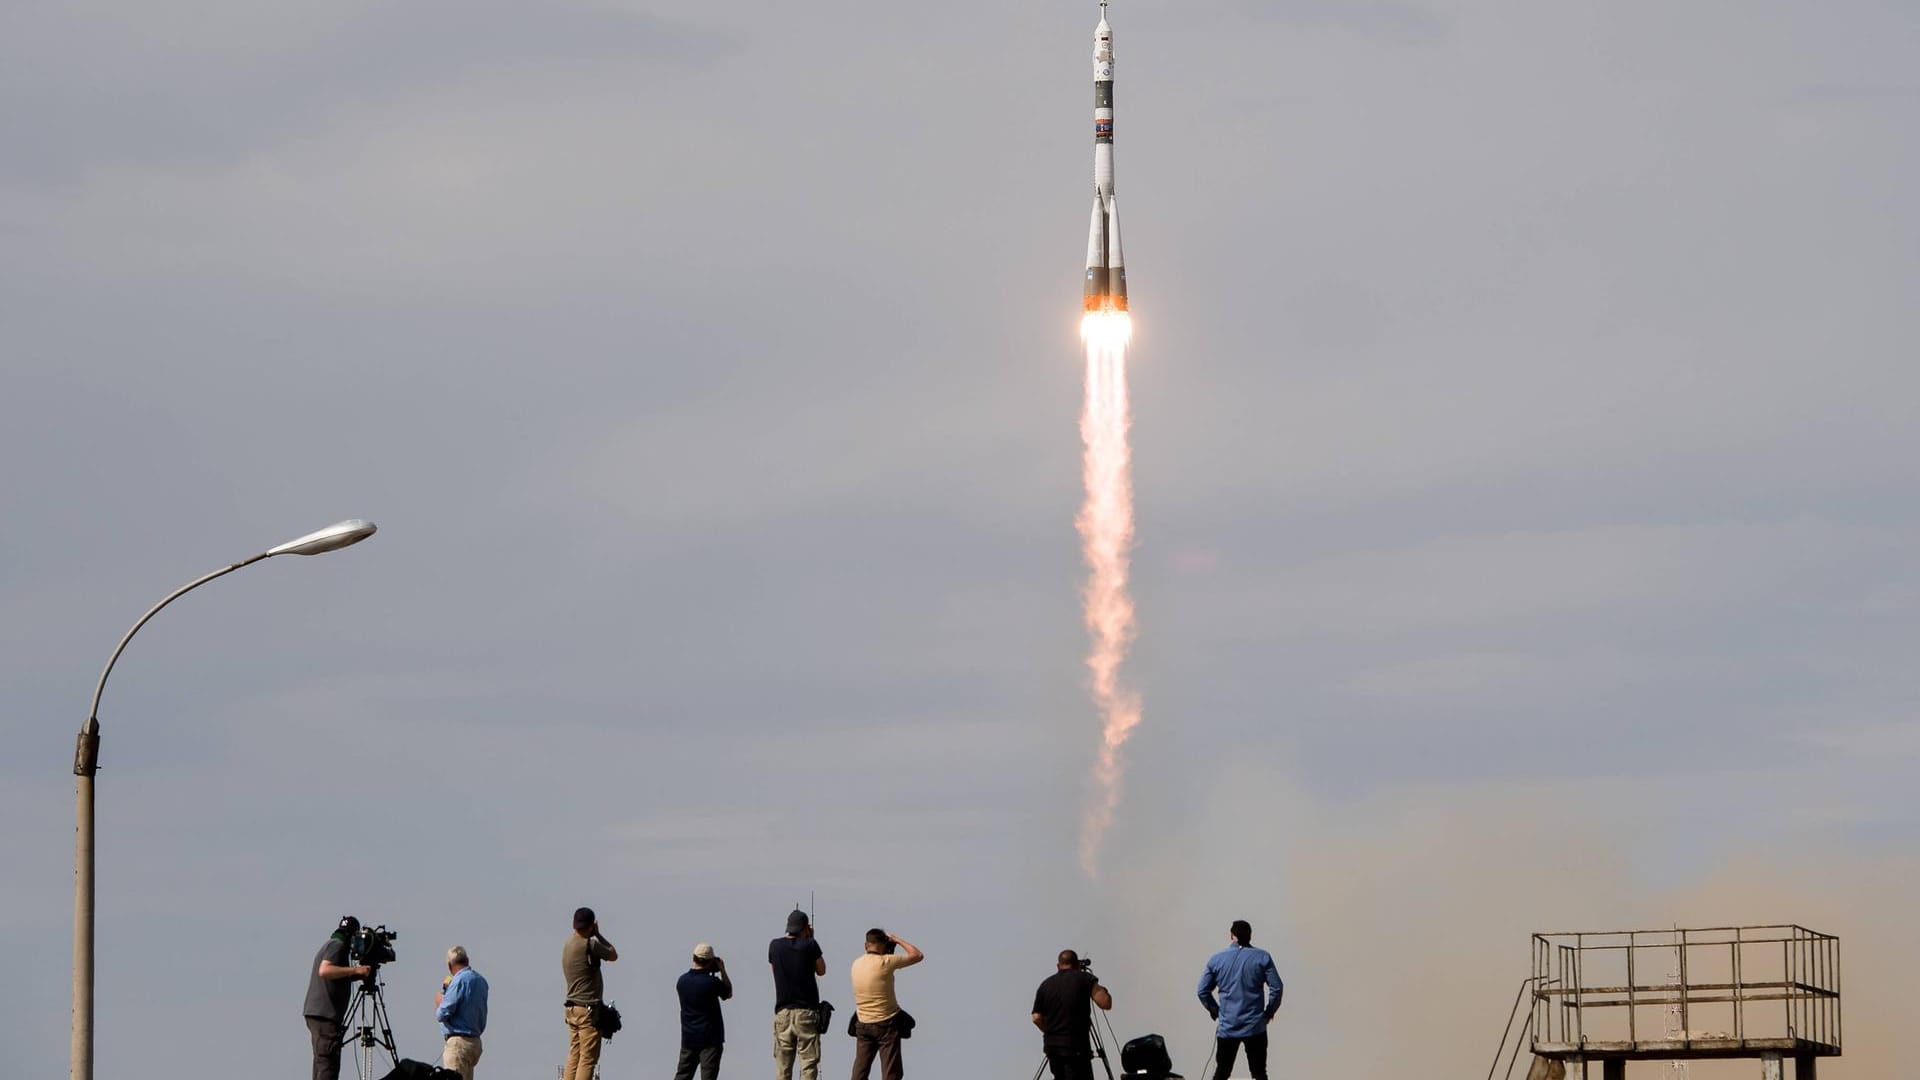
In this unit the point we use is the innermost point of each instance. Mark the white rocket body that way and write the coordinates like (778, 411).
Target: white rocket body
(1106, 288)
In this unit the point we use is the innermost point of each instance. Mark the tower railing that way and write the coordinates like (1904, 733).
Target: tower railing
(1742, 991)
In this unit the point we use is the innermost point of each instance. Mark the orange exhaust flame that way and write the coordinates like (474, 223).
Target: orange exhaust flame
(1106, 534)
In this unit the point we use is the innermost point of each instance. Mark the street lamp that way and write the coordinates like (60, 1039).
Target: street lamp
(86, 762)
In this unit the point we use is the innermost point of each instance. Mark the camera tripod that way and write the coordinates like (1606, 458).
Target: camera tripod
(374, 1031)
(1099, 1049)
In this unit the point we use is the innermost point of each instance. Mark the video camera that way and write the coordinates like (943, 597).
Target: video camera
(1085, 963)
(372, 946)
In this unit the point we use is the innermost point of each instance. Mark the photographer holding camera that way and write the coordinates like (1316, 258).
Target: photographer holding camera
(461, 1008)
(797, 962)
(1063, 1011)
(703, 1031)
(328, 989)
(580, 960)
(878, 1021)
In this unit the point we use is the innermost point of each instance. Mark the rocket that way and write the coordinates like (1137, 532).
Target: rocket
(1106, 269)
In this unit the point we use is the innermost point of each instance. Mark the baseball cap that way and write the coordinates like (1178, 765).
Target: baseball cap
(703, 951)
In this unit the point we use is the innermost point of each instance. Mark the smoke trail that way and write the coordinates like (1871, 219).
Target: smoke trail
(1106, 534)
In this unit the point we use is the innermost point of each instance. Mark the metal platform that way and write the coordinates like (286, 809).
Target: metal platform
(1767, 992)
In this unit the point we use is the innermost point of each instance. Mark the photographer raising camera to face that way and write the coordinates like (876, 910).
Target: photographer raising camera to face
(879, 1023)
(1063, 1011)
(329, 987)
(580, 960)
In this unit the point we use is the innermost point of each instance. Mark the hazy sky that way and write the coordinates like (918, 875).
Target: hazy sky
(1527, 513)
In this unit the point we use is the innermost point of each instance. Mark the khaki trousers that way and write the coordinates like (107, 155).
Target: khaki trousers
(796, 1036)
(461, 1053)
(583, 1044)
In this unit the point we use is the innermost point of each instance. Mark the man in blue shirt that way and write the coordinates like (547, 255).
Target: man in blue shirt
(703, 1032)
(462, 1012)
(1243, 975)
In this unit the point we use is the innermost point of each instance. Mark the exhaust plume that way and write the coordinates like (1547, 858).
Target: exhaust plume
(1106, 534)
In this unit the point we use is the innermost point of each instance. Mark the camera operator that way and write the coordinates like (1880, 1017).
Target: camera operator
(580, 960)
(1063, 1011)
(879, 1023)
(329, 988)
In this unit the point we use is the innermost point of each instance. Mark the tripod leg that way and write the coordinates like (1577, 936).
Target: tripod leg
(1099, 1048)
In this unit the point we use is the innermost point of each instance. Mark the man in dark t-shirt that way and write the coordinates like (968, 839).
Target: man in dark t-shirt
(1063, 1011)
(797, 962)
(703, 1032)
(329, 987)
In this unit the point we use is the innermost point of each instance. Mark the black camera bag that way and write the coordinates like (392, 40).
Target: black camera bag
(1146, 1057)
(606, 1020)
(407, 1069)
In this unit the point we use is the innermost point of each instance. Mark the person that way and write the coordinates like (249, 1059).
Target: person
(796, 961)
(1243, 975)
(328, 990)
(461, 1008)
(878, 1019)
(703, 1031)
(1063, 1011)
(580, 960)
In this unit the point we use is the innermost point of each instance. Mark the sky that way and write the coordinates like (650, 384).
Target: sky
(1523, 409)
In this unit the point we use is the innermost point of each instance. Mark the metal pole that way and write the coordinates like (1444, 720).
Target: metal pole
(82, 1049)
(86, 762)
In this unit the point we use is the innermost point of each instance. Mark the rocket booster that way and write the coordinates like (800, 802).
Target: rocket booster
(1106, 268)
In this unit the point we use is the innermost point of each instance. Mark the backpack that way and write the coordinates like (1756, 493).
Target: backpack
(1146, 1057)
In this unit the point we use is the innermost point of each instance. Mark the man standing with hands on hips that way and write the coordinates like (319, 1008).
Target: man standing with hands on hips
(1243, 975)
(461, 1008)
(580, 960)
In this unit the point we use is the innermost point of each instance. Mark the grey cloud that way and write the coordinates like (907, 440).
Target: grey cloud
(1523, 428)
(174, 87)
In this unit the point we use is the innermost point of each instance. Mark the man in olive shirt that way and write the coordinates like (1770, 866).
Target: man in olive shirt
(876, 1011)
(580, 960)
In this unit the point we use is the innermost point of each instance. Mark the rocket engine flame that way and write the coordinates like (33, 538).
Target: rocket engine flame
(1106, 534)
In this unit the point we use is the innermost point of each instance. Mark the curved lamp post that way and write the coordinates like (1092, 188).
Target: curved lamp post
(86, 762)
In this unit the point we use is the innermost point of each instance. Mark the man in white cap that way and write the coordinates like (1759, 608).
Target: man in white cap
(703, 1032)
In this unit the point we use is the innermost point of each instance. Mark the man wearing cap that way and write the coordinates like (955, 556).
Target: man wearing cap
(461, 1008)
(703, 1033)
(328, 990)
(878, 1021)
(1243, 975)
(580, 960)
(796, 961)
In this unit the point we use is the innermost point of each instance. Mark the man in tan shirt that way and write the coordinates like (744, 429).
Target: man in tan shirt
(878, 1021)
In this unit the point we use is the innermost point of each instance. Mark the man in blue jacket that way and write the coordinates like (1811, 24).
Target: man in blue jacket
(461, 1009)
(1243, 975)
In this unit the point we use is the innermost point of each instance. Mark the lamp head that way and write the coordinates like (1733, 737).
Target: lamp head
(332, 538)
